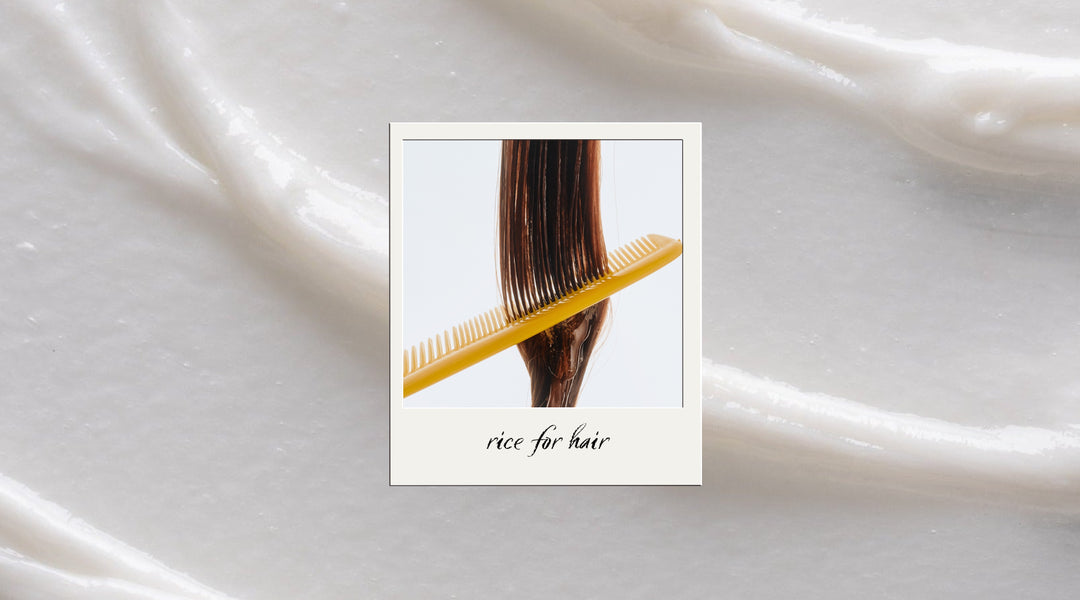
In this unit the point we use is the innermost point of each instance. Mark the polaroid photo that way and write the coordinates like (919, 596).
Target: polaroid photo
(545, 303)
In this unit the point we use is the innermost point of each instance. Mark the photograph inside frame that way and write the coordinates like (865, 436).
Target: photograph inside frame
(542, 273)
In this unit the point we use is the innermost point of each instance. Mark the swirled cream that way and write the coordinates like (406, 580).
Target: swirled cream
(270, 119)
(979, 106)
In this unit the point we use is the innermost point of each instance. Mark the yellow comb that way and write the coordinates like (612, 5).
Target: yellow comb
(493, 331)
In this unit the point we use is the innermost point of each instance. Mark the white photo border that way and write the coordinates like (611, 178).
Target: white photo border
(652, 445)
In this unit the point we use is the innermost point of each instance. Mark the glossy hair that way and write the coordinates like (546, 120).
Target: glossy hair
(551, 243)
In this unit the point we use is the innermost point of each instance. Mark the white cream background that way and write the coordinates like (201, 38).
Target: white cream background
(192, 330)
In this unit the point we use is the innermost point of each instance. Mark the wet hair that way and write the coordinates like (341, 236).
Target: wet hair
(550, 243)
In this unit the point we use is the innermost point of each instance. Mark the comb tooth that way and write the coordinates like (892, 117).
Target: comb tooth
(438, 346)
(531, 301)
(446, 340)
(618, 260)
(473, 330)
(487, 323)
(415, 360)
(430, 350)
(637, 249)
(423, 354)
(513, 307)
(543, 291)
(626, 256)
(405, 368)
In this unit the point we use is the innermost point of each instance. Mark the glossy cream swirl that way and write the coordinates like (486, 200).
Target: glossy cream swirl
(166, 120)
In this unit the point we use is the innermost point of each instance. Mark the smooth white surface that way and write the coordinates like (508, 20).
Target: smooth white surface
(450, 205)
(188, 383)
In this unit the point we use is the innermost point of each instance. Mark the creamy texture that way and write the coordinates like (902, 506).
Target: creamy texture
(138, 96)
(1010, 458)
(978, 106)
(50, 554)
